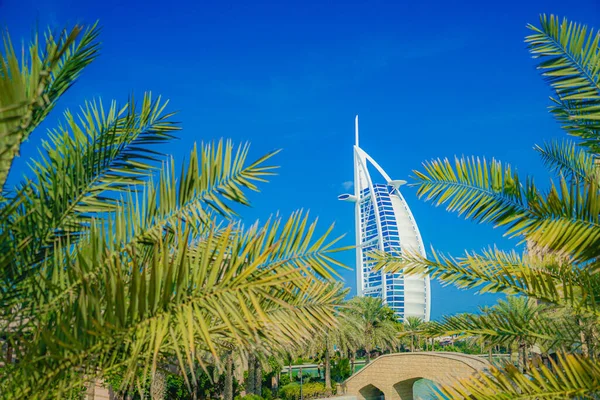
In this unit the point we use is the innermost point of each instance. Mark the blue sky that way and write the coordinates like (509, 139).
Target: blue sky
(428, 79)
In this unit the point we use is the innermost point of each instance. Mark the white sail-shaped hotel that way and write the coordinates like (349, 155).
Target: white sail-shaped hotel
(384, 221)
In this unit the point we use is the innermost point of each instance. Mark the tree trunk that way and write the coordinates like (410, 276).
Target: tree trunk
(257, 377)
(290, 369)
(523, 350)
(584, 342)
(250, 385)
(228, 389)
(275, 383)
(9, 353)
(327, 371)
(195, 390)
(352, 361)
(412, 343)
(158, 387)
(591, 342)
(490, 357)
(368, 356)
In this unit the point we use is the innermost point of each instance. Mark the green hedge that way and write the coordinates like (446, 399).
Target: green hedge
(311, 390)
(249, 397)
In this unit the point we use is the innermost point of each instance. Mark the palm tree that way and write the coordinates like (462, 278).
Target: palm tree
(323, 344)
(376, 323)
(516, 322)
(413, 327)
(561, 227)
(251, 379)
(112, 257)
(228, 387)
(345, 337)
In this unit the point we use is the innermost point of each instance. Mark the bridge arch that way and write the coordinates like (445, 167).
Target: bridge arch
(404, 389)
(370, 392)
(395, 374)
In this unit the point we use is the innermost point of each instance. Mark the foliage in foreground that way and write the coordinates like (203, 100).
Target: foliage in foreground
(114, 258)
(560, 226)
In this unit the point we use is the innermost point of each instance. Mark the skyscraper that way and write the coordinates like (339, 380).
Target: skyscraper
(383, 221)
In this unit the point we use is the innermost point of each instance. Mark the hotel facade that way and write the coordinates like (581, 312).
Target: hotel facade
(383, 221)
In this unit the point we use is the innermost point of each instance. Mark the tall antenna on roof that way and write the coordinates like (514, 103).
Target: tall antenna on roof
(356, 130)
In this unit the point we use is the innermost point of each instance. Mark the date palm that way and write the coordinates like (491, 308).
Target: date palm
(345, 337)
(516, 322)
(561, 226)
(413, 327)
(376, 324)
(112, 257)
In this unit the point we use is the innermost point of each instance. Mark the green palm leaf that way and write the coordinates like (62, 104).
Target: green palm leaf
(548, 278)
(506, 328)
(566, 219)
(30, 90)
(217, 173)
(570, 377)
(87, 163)
(482, 191)
(568, 159)
(571, 65)
(185, 299)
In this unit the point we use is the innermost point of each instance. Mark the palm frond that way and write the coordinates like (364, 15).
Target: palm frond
(30, 90)
(571, 65)
(570, 377)
(217, 172)
(482, 191)
(497, 328)
(209, 185)
(549, 278)
(568, 159)
(87, 163)
(565, 220)
(186, 298)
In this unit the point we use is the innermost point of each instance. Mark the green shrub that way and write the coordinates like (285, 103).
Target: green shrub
(341, 370)
(284, 379)
(249, 397)
(267, 393)
(311, 390)
(176, 388)
(291, 391)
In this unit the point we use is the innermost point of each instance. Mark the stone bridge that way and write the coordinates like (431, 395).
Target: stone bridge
(392, 376)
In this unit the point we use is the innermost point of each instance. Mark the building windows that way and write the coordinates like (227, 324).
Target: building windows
(378, 229)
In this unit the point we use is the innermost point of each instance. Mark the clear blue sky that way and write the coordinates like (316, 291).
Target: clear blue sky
(428, 79)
